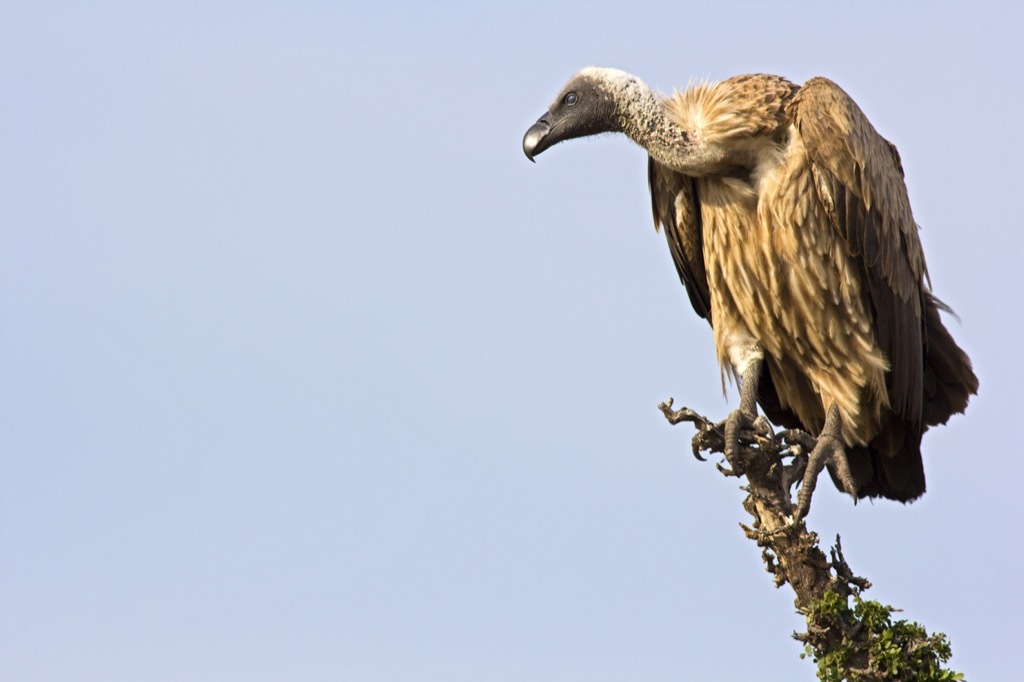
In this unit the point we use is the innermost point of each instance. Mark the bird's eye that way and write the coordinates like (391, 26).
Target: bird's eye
(571, 99)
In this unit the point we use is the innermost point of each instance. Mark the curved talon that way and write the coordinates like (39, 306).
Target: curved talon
(828, 451)
(839, 467)
(802, 440)
(764, 430)
(794, 472)
(736, 422)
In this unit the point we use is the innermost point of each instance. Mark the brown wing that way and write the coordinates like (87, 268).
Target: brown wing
(860, 183)
(676, 211)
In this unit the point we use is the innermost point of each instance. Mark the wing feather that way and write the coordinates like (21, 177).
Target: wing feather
(859, 180)
(676, 211)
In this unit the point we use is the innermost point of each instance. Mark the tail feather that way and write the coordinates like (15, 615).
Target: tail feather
(899, 476)
(949, 379)
(891, 466)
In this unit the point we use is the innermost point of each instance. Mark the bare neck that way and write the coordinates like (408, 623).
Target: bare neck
(644, 119)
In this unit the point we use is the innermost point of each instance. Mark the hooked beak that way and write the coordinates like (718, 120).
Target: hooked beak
(536, 139)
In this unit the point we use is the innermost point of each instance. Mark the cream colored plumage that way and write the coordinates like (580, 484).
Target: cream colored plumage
(788, 220)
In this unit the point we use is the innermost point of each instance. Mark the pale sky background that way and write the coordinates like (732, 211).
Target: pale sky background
(306, 373)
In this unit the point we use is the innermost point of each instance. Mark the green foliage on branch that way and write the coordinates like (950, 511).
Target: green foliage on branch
(872, 646)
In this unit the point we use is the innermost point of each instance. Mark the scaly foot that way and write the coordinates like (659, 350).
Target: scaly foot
(733, 427)
(828, 451)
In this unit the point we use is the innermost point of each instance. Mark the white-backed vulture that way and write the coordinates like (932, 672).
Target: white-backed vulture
(788, 220)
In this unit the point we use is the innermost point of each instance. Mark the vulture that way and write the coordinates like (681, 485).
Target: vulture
(788, 220)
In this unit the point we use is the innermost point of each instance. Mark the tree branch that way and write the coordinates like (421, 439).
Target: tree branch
(858, 642)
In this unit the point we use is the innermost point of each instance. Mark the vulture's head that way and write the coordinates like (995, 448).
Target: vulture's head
(589, 104)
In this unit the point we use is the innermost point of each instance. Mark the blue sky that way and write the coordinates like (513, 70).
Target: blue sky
(306, 373)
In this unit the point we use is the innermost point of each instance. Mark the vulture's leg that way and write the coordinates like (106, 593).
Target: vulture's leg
(829, 451)
(745, 418)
